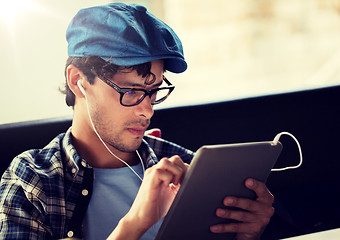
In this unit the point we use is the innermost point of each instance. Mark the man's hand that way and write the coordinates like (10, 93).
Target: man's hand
(159, 187)
(252, 221)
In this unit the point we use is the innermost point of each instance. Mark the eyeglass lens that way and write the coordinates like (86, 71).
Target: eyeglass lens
(135, 96)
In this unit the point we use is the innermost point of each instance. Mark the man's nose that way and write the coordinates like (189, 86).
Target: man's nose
(145, 108)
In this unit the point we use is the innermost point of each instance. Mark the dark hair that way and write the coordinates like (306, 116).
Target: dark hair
(95, 66)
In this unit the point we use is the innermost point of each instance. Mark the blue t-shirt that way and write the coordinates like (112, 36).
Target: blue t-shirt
(114, 191)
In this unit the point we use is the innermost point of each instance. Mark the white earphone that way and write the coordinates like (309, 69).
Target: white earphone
(81, 88)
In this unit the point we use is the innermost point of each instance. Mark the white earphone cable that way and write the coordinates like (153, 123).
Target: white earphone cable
(95, 130)
(275, 141)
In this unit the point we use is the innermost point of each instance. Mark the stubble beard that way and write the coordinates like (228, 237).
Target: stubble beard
(107, 132)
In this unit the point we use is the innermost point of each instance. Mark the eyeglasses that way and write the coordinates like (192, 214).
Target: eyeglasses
(133, 96)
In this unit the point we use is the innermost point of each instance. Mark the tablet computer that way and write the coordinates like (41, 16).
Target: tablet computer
(215, 172)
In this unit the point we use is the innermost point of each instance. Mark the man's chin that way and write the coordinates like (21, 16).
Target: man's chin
(133, 146)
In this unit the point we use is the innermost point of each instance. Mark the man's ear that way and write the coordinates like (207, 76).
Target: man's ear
(73, 75)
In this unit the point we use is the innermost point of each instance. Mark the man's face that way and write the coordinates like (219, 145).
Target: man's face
(119, 126)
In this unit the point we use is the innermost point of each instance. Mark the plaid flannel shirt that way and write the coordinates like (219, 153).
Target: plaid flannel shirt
(45, 192)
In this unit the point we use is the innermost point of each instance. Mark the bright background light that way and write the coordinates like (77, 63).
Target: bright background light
(33, 56)
(234, 49)
(11, 9)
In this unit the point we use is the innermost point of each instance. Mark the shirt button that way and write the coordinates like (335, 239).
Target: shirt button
(73, 170)
(83, 163)
(84, 192)
(70, 234)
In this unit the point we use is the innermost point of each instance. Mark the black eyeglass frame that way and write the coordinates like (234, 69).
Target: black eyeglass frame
(149, 93)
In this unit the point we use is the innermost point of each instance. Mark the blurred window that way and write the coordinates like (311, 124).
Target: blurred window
(236, 49)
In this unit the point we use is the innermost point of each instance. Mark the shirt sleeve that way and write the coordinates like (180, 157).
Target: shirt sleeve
(21, 206)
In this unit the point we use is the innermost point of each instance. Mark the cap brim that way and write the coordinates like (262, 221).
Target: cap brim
(175, 65)
(171, 63)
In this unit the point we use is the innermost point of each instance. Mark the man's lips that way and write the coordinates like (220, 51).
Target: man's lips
(138, 131)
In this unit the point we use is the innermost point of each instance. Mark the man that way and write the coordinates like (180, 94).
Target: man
(87, 182)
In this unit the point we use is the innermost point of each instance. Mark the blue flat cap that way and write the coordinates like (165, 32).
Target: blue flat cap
(125, 35)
